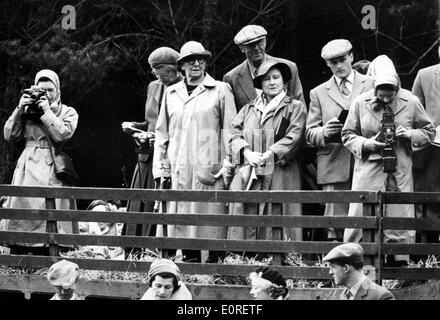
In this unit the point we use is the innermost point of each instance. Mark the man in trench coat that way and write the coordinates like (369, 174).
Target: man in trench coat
(334, 161)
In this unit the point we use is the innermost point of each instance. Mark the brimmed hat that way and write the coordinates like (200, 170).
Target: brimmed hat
(267, 66)
(249, 34)
(271, 275)
(336, 48)
(348, 252)
(63, 273)
(193, 48)
(161, 266)
(163, 55)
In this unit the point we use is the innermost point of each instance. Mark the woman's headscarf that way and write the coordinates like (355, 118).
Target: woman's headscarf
(53, 77)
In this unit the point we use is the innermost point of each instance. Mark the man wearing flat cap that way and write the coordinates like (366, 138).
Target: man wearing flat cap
(346, 262)
(252, 42)
(64, 275)
(328, 102)
(163, 63)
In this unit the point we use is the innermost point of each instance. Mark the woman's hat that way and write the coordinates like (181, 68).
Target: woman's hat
(193, 48)
(271, 275)
(161, 266)
(163, 55)
(63, 273)
(267, 66)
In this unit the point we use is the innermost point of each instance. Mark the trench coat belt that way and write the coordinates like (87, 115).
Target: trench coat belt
(39, 144)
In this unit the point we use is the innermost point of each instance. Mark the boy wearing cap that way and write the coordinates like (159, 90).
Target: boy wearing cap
(252, 42)
(165, 282)
(346, 262)
(64, 275)
(323, 129)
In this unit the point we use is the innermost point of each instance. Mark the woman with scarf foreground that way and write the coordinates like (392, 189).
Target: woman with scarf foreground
(267, 135)
(362, 136)
(35, 165)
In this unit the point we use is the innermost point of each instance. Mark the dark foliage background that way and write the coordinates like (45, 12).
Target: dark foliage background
(103, 64)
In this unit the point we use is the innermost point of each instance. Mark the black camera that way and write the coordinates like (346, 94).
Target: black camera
(388, 136)
(33, 111)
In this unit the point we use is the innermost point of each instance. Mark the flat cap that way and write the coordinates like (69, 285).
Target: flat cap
(269, 65)
(336, 48)
(63, 273)
(349, 252)
(249, 34)
(163, 55)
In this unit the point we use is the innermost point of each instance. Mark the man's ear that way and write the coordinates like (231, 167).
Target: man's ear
(241, 48)
(347, 267)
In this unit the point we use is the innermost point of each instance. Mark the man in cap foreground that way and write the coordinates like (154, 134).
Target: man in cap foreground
(346, 262)
(324, 124)
(64, 275)
(252, 42)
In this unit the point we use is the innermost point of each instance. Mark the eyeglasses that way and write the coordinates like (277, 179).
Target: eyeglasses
(192, 60)
(158, 72)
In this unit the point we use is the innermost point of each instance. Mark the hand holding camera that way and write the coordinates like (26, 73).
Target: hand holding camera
(332, 127)
(402, 132)
(34, 103)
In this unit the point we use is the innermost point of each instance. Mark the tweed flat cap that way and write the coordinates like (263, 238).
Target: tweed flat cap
(336, 48)
(63, 273)
(249, 34)
(267, 66)
(163, 55)
(349, 252)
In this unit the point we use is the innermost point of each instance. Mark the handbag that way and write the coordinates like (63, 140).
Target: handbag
(62, 164)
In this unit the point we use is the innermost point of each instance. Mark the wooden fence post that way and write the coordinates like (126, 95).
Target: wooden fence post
(368, 235)
(51, 227)
(379, 234)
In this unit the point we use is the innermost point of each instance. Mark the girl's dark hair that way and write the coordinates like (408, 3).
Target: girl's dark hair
(386, 86)
(166, 275)
(278, 291)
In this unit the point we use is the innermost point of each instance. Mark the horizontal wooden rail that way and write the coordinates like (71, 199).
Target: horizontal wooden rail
(191, 195)
(430, 224)
(191, 219)
(411, 273)
(176, 243)
(415, 248)
(143, 267)
(411, 197)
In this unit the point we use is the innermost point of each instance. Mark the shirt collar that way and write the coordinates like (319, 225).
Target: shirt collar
(354, 290)
(350, 78)
(252, 69)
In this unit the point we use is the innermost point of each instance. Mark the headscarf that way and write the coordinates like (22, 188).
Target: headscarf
(53, 77)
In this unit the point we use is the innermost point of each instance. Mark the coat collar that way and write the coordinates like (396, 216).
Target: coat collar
(285, 102)
(180, 88)
(246, 82)
(363, 289)
(399, 103)
(436, 77)
(359, 85)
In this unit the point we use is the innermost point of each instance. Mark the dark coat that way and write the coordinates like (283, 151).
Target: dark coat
(241, 82)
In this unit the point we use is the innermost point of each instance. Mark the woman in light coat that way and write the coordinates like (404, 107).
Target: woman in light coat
(413, 131)
(267, 135)
(192, 134)
(35, 165)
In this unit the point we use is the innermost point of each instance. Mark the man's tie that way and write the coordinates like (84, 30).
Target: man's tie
(347, 294)
(344, 90)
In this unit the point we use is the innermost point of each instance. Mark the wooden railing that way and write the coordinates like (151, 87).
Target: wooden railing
(372, 224)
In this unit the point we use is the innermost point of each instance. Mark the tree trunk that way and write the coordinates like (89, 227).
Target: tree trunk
(209, 18)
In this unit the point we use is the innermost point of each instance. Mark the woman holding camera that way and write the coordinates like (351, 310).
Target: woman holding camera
(384, 126)
(42, 121)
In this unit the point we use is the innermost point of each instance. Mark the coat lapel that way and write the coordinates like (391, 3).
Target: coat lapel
(363, 290)
(436, 78)
(400, 101)
(246, 82)
(334, 93)
(181, 91)
(359, 85)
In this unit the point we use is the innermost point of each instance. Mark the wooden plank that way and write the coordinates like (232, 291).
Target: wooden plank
(191, 219)
(176, 243)
(134, 290)
(415, 248)
(427, 223)
(51, 227)
(188, 195)
(143, 266)
(411, 197)
(411, 273)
